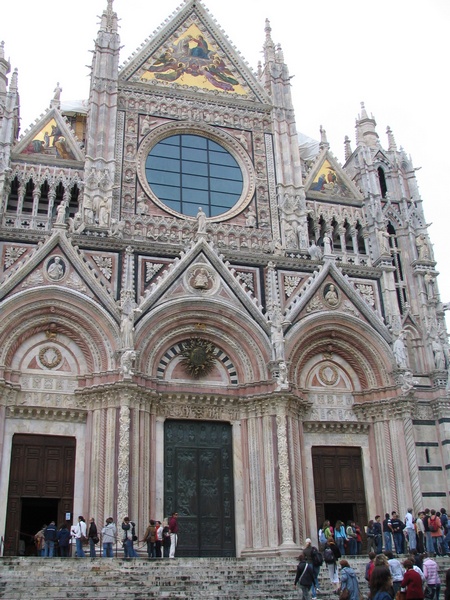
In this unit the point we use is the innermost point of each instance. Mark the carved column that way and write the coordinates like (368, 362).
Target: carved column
(287, 540)
(412, 463)
(97, 464)
(123, 476)
(109, 439)
(383, 445)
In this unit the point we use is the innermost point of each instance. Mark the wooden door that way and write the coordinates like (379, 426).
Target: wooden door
(41, 482)
(339, 484)
(198, 484)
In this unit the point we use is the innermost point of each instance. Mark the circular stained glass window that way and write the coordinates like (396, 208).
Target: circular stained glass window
(187, 171)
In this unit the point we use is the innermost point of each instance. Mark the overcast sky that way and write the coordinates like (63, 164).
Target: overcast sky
(391, 54)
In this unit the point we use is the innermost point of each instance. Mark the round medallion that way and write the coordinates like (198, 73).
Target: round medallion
(50, 357)
(331, 295)
(56, 268)
(328, 375)
(198, 357)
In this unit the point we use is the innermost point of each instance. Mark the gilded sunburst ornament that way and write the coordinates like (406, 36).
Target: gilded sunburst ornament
(198, 357)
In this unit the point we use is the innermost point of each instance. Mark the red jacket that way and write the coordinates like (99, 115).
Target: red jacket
(413, 583)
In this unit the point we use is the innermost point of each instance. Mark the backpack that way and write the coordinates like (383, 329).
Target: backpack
(322, 538)
(432, 524)
(328, 555)
(317, 558)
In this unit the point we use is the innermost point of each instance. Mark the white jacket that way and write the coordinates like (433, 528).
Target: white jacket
(79, 530)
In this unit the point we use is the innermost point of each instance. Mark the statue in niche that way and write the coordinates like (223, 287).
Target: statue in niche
(250, 219)
(282, 379)
(438, 354)
(302, 232)
(126, 363)
(330, 295)
(327, 245)
(56, 269)
(61, 213)
(383, 240)
(127, 330)
(142, 207)
(429, 283)
(276, 333)
(399, 349)
(76, 225)
(423, 247)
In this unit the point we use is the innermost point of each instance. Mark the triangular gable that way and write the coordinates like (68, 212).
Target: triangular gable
(57, 262)
(328, 181)
(50, 140)
(192, 51)
(189, 266)
(317, 294)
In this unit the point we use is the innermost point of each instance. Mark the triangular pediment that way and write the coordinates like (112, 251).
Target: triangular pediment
(328, 291)
(50, 140)
(192, 52)
(201, 273)
(327, 180)
(57, 263)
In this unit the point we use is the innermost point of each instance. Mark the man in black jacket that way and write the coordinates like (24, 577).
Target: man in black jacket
(50, 538)
(304, 577)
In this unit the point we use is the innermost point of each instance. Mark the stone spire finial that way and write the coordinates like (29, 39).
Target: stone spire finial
(269, 46)
(56, 101)
(2, 49)
(347, 147)
(366, 128)
(391, 139)
(109, 18)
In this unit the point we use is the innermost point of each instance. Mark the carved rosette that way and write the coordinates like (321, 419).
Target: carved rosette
(123, 462)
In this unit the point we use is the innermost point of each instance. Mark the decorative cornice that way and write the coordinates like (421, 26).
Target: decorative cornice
(336, 427)
(67, 415)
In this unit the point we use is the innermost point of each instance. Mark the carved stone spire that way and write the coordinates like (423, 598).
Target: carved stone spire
(366, 128)
(347, 147)
(391, 139)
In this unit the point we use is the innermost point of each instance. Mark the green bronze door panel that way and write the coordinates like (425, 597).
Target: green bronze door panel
(199, 486)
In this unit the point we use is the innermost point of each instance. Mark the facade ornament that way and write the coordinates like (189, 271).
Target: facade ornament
(423, 248)
(331, 295)
(314, 251)
(76, 224)
(429, 284)
(201, 222)
(438, 354)
(117, 228)
(401, 357)
(250, 217)
(56, 269)
(276, 322)
(282, 377)
(198, 357)
(61, 213)
(126, 363)
(407, 382)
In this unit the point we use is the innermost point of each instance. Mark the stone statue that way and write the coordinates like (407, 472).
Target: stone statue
(429, 282)
(282, 379)
(400, 351)
(61, 213)
(438, 353)
(276, 334)
(126, 363)
(407, 382)
(314, 251)
(127, 330)
(76, 225)
(201, 221)
(57, 92)
(423, 247)
(117, 228)
(383, 239)
(250, 219)
(327, 245)
(56, 270)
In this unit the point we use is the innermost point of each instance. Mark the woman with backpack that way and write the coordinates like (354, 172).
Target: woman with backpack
(331, 554)
(304, 577)
(315, 559)
(349, 581)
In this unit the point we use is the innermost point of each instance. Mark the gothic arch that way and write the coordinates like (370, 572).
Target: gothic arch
(72, 315)
(359, 347)
(236, 336)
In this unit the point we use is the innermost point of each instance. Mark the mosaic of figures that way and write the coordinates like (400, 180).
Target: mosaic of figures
(193, 59)
(328, 182)
(51, 142)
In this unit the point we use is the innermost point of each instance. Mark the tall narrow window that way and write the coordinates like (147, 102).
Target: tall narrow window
(382, 180)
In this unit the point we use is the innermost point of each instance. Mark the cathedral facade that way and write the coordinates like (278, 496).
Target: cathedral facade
(201, 314)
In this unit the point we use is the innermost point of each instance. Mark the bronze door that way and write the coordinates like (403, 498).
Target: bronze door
(339, 485)
(41, 487)
(198, 484)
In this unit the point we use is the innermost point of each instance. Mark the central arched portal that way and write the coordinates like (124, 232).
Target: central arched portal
(198, 484)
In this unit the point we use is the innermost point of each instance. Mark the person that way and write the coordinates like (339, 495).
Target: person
(429, 540)
(445, 531)
(304, 577)
(313, 558)
(434, 525)
(159, 539)
(387, 531)
(447, 585)
(340, 537)
(410, 529)
(431, 573)
(173, 531)
(129, 536)
(371, 547)
(351, 537)
(109, 535)
(420, 531)
(50, 539)
(92, 536)
(396, 570)
(166, 541)
(349, 581)
(358, 538)
(63, 538)
(380, 584)
(370, 566)
(331, 554)
(378, 534)
(39, 541)
(397, 530)
(412, 581)
(150, 538)
(78, 531)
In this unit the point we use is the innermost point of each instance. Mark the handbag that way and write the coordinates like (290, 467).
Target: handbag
(95, 540)
(345, 594)
(400, 595)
